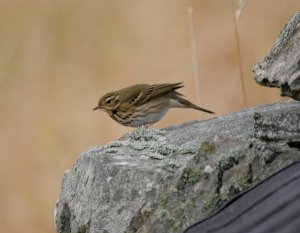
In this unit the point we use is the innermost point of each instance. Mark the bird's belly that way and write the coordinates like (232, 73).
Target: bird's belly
(150, 118)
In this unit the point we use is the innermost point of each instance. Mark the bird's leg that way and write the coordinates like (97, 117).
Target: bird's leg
(147, 126)
(125, 137)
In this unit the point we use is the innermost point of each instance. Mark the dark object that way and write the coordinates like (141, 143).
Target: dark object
(273, 206)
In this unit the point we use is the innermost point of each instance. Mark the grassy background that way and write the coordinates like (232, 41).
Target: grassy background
(57, 57)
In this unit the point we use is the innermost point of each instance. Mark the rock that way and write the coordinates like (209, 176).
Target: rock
(281, 67)
(282, 127)
(156, 181)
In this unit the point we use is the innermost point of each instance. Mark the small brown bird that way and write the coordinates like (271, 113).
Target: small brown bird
(143, 104)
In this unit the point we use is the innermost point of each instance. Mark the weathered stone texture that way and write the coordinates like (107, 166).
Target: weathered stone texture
(164, 180)
(281, 67)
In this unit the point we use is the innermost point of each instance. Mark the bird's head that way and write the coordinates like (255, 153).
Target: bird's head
(108, 102)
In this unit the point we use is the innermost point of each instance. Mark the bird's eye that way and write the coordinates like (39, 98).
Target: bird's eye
(108, 101)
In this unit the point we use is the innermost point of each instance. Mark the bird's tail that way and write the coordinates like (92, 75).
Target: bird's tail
(187, 104)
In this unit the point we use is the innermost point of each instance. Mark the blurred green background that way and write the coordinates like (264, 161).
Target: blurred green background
(57, 57)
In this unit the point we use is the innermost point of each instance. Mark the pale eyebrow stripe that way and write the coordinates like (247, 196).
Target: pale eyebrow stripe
(108, 98)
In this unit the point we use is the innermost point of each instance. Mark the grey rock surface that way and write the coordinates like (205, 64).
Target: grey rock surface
(281, 67)
(163, 180)
(286, 128)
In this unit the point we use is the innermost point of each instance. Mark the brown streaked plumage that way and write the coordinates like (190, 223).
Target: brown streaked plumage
(144, 104)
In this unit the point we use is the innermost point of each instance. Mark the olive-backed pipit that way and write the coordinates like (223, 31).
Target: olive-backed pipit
(143, 104)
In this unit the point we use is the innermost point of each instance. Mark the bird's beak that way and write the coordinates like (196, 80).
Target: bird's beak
(98, 107)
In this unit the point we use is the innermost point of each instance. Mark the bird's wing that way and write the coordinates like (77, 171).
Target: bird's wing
(151, 92)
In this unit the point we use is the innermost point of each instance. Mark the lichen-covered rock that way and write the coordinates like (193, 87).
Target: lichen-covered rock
(281, 127)
(154, 181)
(281, 67)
